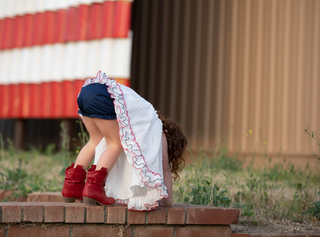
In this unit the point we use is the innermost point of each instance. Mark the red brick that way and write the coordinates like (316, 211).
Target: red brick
(101, 230)
(33, 213)
(136, 217)
(95, 214)
(176, 216)
(43, 231)
(157, 216)
(259, 235)
(313, 235)
(2, 230)
(33, 198)
(55, 198)
(150, 231)
(74, 214)
(43, 197)
(209, 216)
(204, 231)
(116, 215)
(53, 214)
(279, 235)
(240, 235)
(11, 214)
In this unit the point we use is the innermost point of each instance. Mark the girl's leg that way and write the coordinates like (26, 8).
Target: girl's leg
(110, 131)
(86, 154)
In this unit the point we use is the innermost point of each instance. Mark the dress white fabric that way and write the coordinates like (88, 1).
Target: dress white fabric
(137, 177)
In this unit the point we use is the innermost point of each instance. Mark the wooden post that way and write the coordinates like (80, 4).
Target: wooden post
(19, 133)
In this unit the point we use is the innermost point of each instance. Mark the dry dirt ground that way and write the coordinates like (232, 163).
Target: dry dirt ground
(278, 227)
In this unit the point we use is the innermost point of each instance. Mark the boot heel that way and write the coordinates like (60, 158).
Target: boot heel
(89, 201)
(66, 199)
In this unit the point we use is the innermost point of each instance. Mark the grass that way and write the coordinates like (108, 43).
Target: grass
(281, 192)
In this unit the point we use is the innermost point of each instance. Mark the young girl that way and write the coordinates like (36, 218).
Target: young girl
(136, 152)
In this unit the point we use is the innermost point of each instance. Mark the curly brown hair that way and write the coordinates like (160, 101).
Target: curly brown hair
(177, 144)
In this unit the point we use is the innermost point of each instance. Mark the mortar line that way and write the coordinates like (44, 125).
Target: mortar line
(174, 232)
(43, 214)
(166, 222)
(6, 230)
(105, 215)
(22, 213)
(146, 217)
(85, 215)
(133, 234)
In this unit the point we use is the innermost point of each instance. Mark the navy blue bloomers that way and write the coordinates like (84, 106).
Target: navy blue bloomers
(94, 101)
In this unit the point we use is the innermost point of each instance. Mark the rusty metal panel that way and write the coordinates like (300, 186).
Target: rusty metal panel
(224, 67)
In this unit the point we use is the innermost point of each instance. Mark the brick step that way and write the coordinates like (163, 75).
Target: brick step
(77, 219)
(273, 235)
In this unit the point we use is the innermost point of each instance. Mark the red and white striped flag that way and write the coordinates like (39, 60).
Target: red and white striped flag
(49, 47)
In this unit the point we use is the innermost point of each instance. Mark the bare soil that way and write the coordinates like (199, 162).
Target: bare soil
(278, 227)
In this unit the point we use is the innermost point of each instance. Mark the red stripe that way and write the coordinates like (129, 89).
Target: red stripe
(57, 104)
(28, 25)
(68, 99)
(1, 32)
(18, 32)
(24, 110)
(60, 30)
(122, 19)
(45, 101)
(34, 101)
(14, 102)
(71, 24)
(82, 20)
(49, 21)
(5, 101)
(7, 33)
(107, 19)
(110, 19)
(95, 21)
(38, 29)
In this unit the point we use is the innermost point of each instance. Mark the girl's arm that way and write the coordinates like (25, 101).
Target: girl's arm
(167, 202)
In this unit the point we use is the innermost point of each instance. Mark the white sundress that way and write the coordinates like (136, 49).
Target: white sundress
(137, 177)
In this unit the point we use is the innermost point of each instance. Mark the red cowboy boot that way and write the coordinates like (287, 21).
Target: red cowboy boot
(73, 183)
(93, 192)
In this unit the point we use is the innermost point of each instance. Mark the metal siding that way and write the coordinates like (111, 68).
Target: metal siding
(222, 68)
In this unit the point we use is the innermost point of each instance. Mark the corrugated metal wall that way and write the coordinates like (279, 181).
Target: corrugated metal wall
(222, 67)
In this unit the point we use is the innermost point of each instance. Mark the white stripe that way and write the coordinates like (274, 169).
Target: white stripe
(105, 56)
(70, 61)
(9, 7)
(35, 58)
(121, 58)
(2, 8)
(86, 2)
(30, 7)
(62, 4)
(46, 62)
(94, 47)
(15, 66)
(39, 6)
(51, 5)
(25, 63)
(4, 62)
(20, 7)
(57, 60)
(80, 59)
